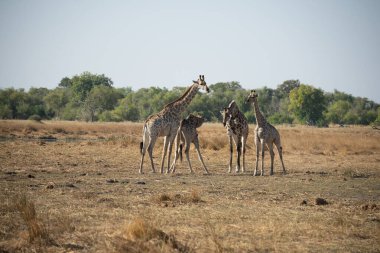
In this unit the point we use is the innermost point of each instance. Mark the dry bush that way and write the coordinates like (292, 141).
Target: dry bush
(140, 236)
(188, 198)
(29, 129)
(219, 248)
(59, 130)
(194, 196)
(36, 228)
(354, 173)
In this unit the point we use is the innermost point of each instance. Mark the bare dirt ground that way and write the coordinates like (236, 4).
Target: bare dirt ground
(75, 187)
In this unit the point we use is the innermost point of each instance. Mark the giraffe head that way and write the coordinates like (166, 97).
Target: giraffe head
(196, 120)
(225, 115)
(202, 83)
(252, 97)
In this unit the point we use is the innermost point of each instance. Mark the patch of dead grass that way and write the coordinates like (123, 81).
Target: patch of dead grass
(141, 236)
(193, 197)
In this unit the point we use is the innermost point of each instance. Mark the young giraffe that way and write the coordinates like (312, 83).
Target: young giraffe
(237, 129)
(267, 134)
(165, 123)
(187, 134)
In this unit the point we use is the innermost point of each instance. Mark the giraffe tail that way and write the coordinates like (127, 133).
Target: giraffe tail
(141, 147)
(180, 152)
(143, 140)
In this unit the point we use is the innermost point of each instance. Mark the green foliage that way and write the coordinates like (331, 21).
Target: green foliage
(91, 97)
(82, 84)
(307, 104)
(279, 118)
(337, 111)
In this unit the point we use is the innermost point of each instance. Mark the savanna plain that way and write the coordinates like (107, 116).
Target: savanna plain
(75, 187)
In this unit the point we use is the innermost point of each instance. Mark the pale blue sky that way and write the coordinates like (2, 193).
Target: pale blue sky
(330, 44)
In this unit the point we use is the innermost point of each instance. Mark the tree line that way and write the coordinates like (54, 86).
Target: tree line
(92, 97)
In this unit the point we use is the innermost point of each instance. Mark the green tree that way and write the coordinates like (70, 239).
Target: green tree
(65, 83)
(82, 84)
(100, 98)
(337, 111)
(56, 101)
(284, 89)
(307, 104)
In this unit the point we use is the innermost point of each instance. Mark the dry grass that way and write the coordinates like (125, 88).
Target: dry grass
(36, 228)
(141, 236)
(82, 188)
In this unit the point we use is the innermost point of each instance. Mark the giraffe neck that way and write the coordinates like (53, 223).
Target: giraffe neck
(181, 104)
(259, 117)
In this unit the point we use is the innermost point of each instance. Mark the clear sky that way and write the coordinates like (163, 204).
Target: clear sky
(330, 44)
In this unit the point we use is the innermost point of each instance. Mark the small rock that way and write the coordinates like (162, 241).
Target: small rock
(31, 176)
(125, 181)
(83, 174)
(321, 201)
(70, 185)
(50, 185)
(304, 202)
(140, 182)
(99, 174)
(112, 181)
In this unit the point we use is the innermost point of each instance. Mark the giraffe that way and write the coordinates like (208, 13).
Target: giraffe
(267, 134)
(187, 134)
(165, 123)
(237, 129)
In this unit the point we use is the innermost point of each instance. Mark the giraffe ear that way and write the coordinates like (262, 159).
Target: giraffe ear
(203, 77)
(195, 81)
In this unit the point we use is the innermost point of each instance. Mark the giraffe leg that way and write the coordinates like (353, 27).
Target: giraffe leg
(262, 156)
(257, 144)
(187, 149)
(176, 149)
(271, 158)
(170, 153)
(243, 150)
(231, 152)
(166, 142)
(196, 144)
(238, 149)
(279, 149)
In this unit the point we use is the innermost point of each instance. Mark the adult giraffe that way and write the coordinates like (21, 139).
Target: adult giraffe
(166, 122)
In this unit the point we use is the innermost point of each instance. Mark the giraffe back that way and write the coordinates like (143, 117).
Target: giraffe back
(189, 126)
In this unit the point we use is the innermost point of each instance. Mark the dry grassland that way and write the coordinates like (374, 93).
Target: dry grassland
(82, 192)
